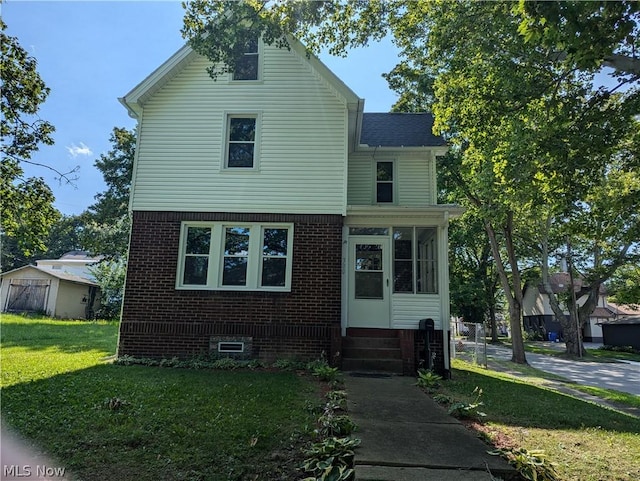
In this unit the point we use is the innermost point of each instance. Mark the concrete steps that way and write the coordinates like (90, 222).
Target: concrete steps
(365, 353)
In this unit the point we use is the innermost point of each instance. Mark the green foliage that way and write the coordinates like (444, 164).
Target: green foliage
(464, 410)
(624, 286)
(116, 167)
(428, 379)
(585, 34)
(326, 471)
(331, 459)
(288, 364)
(326, 373)
(110, 276)
(629, 349)
(332, 424)
(532, 465)
(443, 399)
(26, 211)
(337, 400)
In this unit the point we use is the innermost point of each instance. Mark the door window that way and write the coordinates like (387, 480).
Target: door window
(369, 272)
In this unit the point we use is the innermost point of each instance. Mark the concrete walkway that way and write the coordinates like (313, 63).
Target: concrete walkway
(406, 436)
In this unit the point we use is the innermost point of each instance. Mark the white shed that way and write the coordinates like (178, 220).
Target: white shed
(62, 288)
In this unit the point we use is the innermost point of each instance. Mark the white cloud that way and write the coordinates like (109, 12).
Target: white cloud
(76, 150)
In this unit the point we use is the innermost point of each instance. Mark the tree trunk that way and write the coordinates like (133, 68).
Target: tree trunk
(546, 287)
(494, 324)
(515, 302)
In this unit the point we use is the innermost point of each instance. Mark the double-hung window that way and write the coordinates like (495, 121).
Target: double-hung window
(240, 151)
(248, 67)
(228, 256)
(384, 182)
(415, 254)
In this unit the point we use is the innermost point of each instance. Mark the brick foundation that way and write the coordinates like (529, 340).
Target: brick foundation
(160, 321)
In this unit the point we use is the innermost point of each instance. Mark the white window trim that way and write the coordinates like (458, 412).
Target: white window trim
(228, 115)
(394, 182)
(259, 80)
(216, 256)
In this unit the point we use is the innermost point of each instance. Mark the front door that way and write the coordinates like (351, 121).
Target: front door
(369, 291)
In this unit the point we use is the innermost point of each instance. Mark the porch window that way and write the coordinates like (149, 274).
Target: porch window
(235, 257)
(415, 268)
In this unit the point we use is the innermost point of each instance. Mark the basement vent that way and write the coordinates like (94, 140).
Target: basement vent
(230, 346)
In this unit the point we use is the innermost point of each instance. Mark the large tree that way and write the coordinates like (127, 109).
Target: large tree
(27, 210)
(106, 222)
(530, 132)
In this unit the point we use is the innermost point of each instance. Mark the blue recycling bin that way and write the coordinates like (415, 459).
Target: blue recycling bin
(553, 336)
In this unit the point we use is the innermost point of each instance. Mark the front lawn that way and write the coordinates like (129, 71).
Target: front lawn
(585, 441)
(103, 421)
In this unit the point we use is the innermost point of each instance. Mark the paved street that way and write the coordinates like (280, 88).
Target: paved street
(620, 376)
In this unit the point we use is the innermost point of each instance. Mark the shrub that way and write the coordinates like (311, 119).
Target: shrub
(326, 373)
(331, 459)
(532, 465)
(628, 349)
(428, 379)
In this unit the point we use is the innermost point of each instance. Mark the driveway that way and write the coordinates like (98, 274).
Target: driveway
(620, 376)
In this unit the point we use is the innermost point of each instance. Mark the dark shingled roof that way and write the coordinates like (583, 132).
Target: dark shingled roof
(399, 130)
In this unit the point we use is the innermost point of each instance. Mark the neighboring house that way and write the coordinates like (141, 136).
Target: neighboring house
(62, 288)
(624, 328)
(538, 317)
(272, 218)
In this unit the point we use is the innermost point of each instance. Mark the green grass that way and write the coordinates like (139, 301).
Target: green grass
(103, 421)
(594, 355)
(585, 441)
(36, 348)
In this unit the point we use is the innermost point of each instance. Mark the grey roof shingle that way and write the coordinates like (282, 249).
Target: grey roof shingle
(399, 130)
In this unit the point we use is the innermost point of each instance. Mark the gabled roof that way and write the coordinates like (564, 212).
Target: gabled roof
(135, 99)
(624, 309)
(560, 282)
(65, 276)
(399, 130)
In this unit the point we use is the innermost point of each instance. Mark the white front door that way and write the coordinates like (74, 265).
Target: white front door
(369, 285)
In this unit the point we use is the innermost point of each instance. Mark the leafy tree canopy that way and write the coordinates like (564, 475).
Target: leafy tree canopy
(587, 34)
(27, 210)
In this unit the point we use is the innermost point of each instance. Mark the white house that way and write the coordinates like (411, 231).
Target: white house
(539, 318)
(273, 217)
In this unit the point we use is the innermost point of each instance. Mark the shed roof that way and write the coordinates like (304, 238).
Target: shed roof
(622, 321)
(65, 276)
(399, 130)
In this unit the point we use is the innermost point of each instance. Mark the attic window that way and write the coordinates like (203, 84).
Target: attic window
(247, 67)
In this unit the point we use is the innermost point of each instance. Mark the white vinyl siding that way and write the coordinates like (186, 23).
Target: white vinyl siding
(414, 181)
(302, 151)
(408, 309)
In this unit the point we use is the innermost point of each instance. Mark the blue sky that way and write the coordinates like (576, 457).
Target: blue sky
(90, 53)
